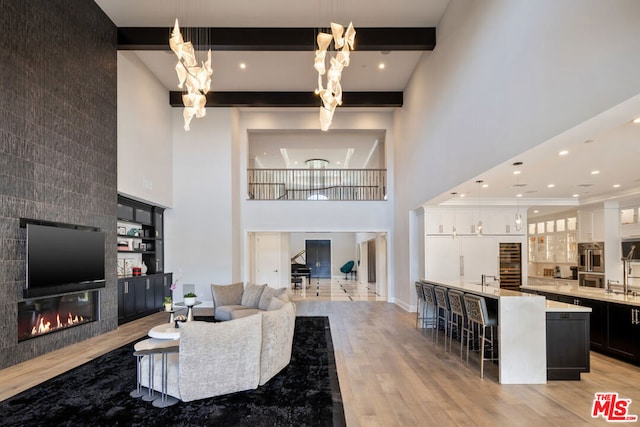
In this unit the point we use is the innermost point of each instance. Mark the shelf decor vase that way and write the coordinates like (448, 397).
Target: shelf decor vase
(144, 268)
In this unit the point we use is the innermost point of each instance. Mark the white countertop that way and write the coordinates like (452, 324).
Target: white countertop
(584, 292)
(563, 307)
(492, 290)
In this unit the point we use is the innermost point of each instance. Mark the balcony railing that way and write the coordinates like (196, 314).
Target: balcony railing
(317, 184)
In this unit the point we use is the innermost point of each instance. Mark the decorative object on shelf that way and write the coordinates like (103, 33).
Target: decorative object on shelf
(128, 266)
(133, 232)
(168, 304)
(197, 78)
(136, 271)
(123, 245)
(121, 269)
(143, 247)
(190, 299)
(144, 268)
(122, 230)
(331, 96)
(518, 217)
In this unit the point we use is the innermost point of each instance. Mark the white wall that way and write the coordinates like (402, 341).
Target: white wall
(504, 77)
(144, 133)
(201, 243)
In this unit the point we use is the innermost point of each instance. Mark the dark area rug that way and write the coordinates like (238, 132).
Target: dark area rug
(305, 393)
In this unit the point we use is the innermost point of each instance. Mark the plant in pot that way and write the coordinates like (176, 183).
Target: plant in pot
(168, 305)
(190, 299)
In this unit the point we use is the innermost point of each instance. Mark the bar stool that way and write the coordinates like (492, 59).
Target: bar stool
(443, 311)
(430, 300)
(458, 315)
(420, 305)
(478, 314)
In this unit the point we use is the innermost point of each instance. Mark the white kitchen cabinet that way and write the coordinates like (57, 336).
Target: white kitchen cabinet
(591, 226)
(479, 256)
(442, 257)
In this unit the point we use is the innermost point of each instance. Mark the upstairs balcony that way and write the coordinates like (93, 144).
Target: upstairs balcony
(317, 184)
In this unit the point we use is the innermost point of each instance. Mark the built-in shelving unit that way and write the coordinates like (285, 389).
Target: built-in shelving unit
(140, 243)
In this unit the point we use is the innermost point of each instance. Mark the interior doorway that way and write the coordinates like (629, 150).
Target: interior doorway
(319, 258)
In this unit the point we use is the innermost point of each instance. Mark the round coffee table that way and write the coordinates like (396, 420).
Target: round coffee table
(166, 331)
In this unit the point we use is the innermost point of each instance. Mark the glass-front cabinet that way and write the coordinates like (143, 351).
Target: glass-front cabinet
(553, 239)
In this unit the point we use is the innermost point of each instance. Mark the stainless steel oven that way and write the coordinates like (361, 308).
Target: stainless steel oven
(591, 257)
(591, 280)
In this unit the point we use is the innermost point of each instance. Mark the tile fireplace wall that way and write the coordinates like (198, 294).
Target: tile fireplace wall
(58, 147)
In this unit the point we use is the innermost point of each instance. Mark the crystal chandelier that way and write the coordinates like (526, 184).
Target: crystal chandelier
(196, 78)
(331, 95)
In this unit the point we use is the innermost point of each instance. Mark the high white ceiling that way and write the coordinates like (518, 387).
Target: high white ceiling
(614, 150)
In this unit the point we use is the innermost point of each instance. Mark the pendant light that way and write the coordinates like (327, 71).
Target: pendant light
(518, 217)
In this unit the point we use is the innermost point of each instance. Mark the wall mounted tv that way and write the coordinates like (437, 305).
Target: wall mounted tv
(62, 258)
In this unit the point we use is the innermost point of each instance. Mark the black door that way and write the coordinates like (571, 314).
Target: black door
(318, 254)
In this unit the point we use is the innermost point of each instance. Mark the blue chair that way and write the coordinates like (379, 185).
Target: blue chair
(347, 268)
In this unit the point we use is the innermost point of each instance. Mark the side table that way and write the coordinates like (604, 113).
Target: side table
(189, 309)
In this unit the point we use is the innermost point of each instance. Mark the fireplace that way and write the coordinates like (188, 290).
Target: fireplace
(37, 317)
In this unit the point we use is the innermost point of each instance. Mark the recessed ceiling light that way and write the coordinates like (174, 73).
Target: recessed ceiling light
(563, 152)
(536, 211)
(518, 195)
(265, 153)
(485, 185)
(516, 172)
(595, 172)
(381, 66)
(295, 163)
(576, 195)
(462, 195)
(550, 185)
(338, 162)
(616, 185)
(637, 120)
(243, 66)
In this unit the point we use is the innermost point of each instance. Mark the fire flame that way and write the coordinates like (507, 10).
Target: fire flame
(43, 326)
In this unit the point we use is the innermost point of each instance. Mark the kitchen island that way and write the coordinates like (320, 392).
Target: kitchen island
(522, 331)
(615, 317)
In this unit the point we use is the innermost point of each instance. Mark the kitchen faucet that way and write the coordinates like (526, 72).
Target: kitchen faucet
(626, 270)
(483, 279)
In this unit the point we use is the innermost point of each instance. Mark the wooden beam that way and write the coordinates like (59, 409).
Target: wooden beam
(277, 39)
(292, 99)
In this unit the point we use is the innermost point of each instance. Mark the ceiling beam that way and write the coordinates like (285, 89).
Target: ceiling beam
(292, 99)
(277, 39)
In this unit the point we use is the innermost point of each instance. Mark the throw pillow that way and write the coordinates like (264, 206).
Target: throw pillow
(252, 294)
(268, 293)
(227, 294)
(275, 304)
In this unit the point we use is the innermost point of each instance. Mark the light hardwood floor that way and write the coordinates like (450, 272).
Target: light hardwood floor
(392, 374)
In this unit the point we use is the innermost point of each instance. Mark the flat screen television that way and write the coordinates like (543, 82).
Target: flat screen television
(63, 258)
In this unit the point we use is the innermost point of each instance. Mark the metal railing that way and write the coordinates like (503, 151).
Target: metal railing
(316, 184)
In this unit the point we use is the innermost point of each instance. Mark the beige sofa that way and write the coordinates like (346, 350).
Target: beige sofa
(226, 357)
(238, 300)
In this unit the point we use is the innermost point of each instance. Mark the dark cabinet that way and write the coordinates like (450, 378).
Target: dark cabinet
(141, 296)
(567, 345)
(140, 236)
(598, 323)
(623, 331)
